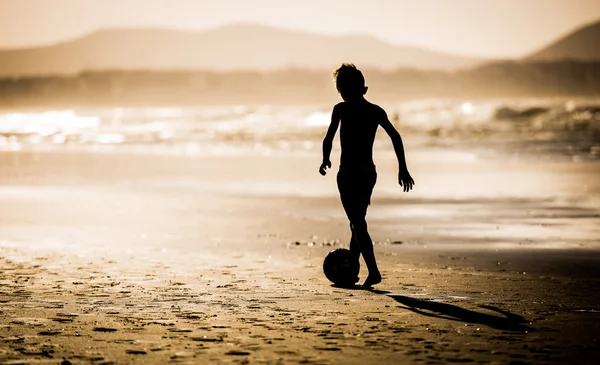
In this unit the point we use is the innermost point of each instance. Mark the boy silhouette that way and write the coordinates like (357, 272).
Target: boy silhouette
(356, 177)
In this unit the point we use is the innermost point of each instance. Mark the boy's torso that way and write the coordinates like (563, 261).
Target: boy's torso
(358, 127)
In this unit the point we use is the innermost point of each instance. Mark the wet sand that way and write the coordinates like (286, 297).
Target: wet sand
(115, 259)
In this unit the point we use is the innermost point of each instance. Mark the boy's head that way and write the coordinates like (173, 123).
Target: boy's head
(349, 81)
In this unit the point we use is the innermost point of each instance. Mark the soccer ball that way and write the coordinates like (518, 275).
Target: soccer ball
(341, 268)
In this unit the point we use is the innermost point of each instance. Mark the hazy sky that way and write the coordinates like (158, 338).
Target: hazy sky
(478, 27)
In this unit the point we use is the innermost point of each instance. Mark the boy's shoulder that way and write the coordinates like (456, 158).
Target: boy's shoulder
(377, 108)
(339, 105)
(378, 112)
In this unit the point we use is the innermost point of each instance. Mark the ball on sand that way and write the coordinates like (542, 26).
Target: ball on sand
(340, 267)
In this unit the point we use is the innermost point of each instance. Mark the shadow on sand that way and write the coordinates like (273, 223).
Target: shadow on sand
(506, 322)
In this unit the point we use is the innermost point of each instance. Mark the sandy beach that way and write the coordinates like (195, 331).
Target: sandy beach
(162, 198)
(109, 258)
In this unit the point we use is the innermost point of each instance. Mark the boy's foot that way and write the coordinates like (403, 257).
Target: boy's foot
(372, 279)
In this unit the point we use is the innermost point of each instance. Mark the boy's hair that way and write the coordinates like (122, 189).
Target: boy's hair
(349, 80)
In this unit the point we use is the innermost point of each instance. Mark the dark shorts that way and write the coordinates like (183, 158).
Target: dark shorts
(356, 186)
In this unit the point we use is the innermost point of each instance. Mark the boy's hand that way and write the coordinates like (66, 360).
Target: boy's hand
(324, 166)
(405, 180)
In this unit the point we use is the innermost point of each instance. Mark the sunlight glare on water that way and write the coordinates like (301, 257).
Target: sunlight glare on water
(565, 127)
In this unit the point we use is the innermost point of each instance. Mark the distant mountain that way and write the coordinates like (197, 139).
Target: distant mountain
(582, 45)
(233, 47)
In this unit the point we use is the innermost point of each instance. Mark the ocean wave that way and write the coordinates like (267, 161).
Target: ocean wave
(568, 127)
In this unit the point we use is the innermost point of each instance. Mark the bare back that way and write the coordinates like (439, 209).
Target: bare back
(358, 126)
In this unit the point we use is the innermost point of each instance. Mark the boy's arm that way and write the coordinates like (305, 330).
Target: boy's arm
(328, 140)
(404, 177)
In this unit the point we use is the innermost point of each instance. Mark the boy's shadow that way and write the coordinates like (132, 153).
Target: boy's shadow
(507, 322)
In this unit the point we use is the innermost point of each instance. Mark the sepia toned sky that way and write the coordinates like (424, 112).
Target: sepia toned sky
(497, 28)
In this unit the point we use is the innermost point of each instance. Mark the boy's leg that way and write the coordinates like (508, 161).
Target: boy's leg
(354, 246)
(355, 201)
(361, 234)
(355, 251)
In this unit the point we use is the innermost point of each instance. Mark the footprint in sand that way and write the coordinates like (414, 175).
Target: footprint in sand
(135, 352)
(49, 333)
(69, 315)
(104, 329)
(207, 338)
(237, 353)
(62, 319)
(190, 315)
(327, 348)
(182, 354)
(36, 322)
(180, 330)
